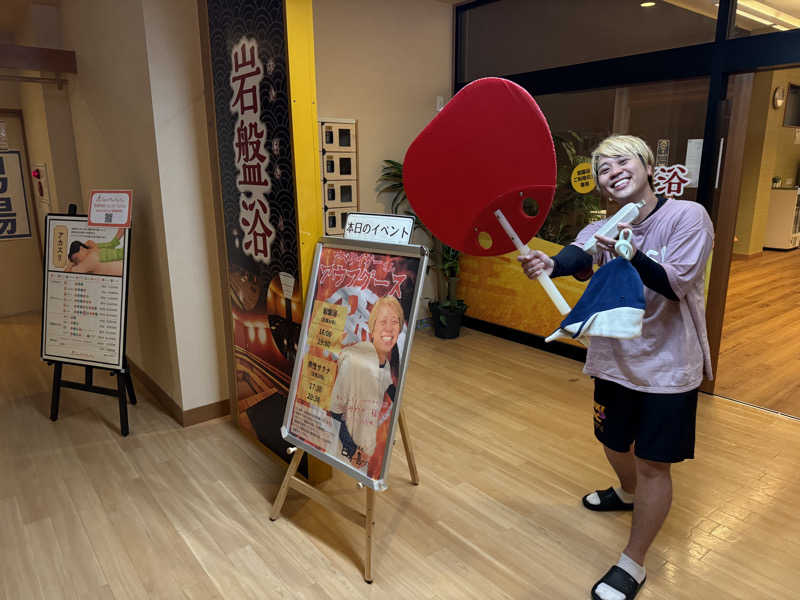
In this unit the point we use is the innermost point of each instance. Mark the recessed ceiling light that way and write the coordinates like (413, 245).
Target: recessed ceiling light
(647, 4)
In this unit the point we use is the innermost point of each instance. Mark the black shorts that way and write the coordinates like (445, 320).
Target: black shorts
(661, 425)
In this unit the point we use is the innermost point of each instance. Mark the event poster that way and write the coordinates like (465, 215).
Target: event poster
(357, 332)
(252, 108)
(84, 292)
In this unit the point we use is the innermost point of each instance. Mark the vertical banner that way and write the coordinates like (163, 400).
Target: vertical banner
(354, 347)
(249, 66)
(14, 223)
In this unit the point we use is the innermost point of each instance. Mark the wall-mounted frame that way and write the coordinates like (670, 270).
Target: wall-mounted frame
(341, 194)
(352, 357)
(339, 168)
(339, 165)
(338, 136)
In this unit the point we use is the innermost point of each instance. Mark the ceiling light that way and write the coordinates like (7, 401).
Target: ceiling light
(780, 27)
(753, 17)
(647, 4)
(768, 11)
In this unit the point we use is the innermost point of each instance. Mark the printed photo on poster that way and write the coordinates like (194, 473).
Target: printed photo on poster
(84, 249)
(354, 345)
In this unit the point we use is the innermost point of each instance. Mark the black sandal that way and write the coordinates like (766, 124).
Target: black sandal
(608, 501)
(620, 580)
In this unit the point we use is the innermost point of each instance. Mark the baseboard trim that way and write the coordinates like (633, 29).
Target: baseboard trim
(186, 418)
(747, 256)
(528, 339)
(206, 413)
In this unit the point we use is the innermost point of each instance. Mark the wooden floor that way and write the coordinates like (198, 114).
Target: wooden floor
(759, 359)
(504, 444)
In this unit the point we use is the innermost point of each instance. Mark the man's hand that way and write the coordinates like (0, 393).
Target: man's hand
(607, 243)
(536, 263)
(359, 458)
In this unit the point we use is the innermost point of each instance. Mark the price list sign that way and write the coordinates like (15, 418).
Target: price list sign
(85, 291)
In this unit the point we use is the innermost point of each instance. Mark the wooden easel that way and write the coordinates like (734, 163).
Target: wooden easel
(365, 519)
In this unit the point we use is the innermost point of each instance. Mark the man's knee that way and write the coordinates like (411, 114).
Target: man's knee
(652, 469)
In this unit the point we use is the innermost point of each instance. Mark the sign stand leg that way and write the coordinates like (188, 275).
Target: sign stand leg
(365, 520)
(369, 526)
(55, 397)
(412, 463)
(284, 489)
(123, 405)
(128, 381)
(124, 383)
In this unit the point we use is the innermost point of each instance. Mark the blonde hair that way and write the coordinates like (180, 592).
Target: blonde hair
(622, 145)
(389, 301)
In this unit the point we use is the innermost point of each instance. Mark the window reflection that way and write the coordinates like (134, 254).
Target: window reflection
(669, 116)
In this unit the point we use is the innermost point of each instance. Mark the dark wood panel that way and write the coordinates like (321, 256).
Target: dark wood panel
(50, 60)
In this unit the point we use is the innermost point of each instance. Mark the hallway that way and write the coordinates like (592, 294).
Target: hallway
(759, 360)
(503, 442)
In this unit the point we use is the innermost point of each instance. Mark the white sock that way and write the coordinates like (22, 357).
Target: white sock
(623, 495)
(632, 568)
(594, 499)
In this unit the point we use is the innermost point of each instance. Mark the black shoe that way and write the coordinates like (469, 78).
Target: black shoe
(608, 501)
(620, 580)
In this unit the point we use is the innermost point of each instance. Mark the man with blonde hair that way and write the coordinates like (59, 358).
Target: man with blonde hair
(363, 379)
(645, 396)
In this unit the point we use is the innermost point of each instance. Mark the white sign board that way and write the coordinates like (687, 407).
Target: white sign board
(694, 151)
(85, 291)
(14, 223)
(390, 229)
(110, 208)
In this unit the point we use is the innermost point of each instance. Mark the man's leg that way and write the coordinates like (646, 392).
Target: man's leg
(624, 465)
(650, 506)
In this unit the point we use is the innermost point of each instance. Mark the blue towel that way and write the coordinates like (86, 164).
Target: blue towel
(612, 305)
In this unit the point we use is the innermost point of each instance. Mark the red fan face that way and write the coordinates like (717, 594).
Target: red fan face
(489, 148)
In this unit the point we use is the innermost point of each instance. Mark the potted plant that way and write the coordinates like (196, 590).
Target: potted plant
(571, 210)
(447, 310)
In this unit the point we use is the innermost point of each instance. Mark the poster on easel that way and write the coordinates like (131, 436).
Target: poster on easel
(355, 341)
(85, 292)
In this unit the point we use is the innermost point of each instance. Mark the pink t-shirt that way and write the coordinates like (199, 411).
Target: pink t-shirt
(672, 355)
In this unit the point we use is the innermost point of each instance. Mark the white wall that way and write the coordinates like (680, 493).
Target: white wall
(112, 115)
(176, 84)
(46, 111)
(139, 118)
(383, 63)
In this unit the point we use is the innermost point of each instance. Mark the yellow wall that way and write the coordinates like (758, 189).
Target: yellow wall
(305, 137)
(787, 152)
(497, 291)
(769, 151)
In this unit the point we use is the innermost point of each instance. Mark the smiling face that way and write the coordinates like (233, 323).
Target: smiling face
(623, 178)
(385, 330)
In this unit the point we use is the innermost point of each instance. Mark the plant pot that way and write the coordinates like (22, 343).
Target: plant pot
(446, 321)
